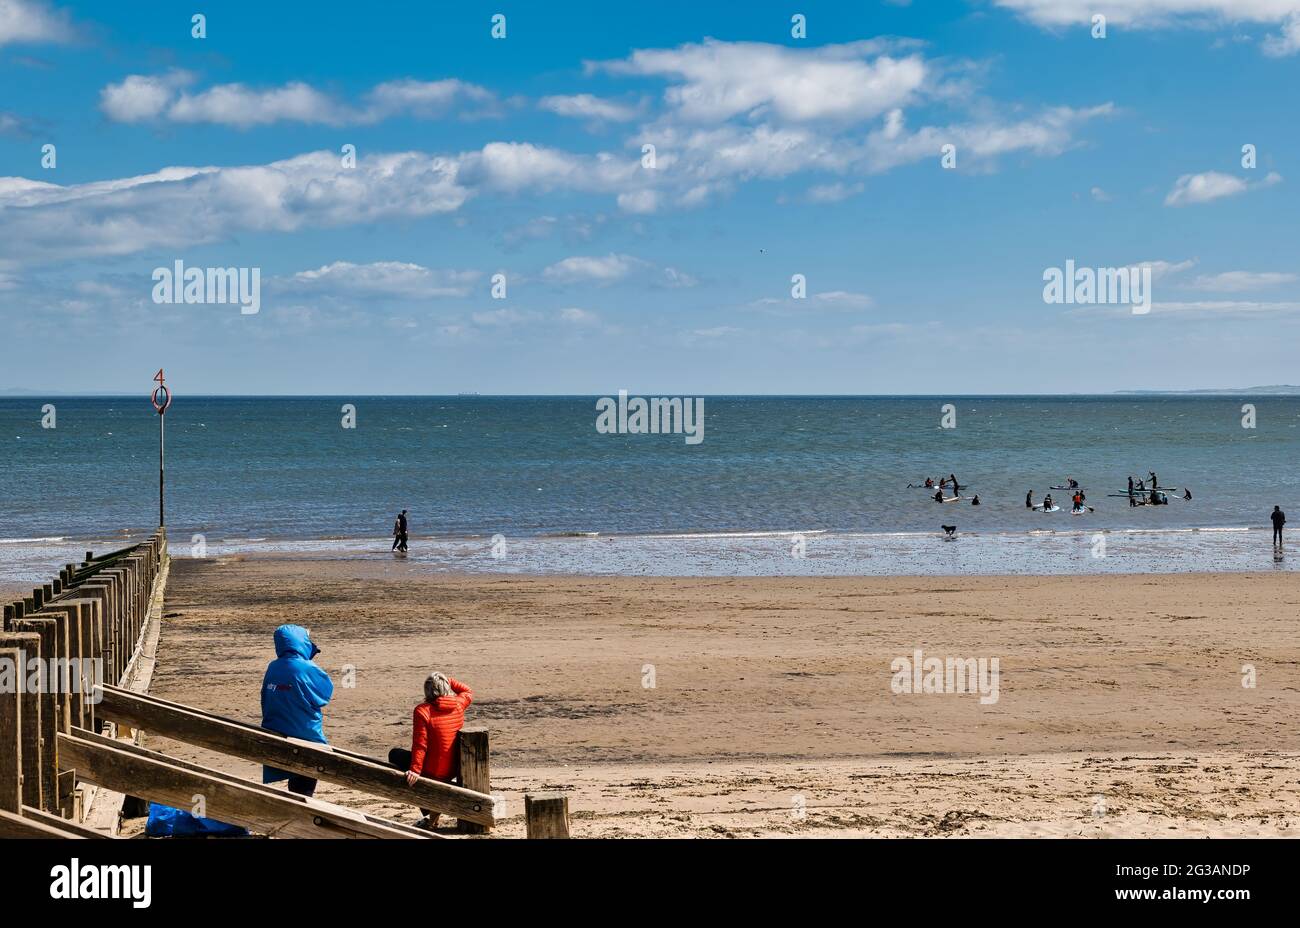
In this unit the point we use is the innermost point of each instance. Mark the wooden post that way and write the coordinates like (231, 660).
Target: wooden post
(38, 598)
(29, 648)
(9, 615)
(49, 591)
(90, 556)
(474, 769)
(49, 716)
(11, 741)
(547, 815)
(73, 682)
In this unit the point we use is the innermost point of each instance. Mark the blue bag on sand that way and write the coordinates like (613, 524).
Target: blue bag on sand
(166, 822)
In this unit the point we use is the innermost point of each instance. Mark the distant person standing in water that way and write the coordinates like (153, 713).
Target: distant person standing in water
(1279, 520)
(401, 531)
(397, 532)
(1029, 500)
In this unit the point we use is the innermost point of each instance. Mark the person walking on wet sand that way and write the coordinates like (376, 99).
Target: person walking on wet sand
(1279, 520)
(399, 532)
(435, 723)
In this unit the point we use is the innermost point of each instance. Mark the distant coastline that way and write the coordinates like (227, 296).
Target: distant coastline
(1282, 389)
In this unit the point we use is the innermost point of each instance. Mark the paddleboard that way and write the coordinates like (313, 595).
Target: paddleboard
(1079, 512)
(1053, 509)
(1066, 488)
(953, 499)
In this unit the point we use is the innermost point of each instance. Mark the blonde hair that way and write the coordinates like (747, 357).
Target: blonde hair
(435, 685)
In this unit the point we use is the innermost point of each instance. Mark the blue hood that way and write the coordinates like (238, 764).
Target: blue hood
(294, 641)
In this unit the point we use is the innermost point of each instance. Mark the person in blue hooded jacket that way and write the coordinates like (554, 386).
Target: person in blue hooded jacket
(294, 693)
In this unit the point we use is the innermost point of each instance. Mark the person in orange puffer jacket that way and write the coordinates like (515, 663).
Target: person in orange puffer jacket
(434, 726)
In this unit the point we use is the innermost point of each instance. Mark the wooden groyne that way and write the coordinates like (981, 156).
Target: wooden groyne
(71, 757)
(80, 630)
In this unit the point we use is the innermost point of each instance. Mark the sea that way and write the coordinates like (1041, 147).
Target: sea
(777, 485)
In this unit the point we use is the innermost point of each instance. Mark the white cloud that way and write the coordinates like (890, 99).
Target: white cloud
(586, 106)
(715, 332)
(141, 98)
(1101, 196)
(1226, 307)
(511, 167)
(1212, 185)
(127, 215)
(505, 318)
(1173, 14)
(841, 299)
(641, 202)
(599, 270)
(1152, 12)
(383, 278)
(144, 98)
(33, 21)
(1239, 281)
(242, 107)
(575, 316)
(1161, 270)
(12, 125)
(1287, 42)
(676, 279)
(825, 300)
(426, 99)
(833, 193)
(719, 80)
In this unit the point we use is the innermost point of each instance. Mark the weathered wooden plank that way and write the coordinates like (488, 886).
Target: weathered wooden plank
(71, 680)
(49, 718)
(102, 591)
(239, 739)
(126, 768)
(69, 829)
(92, 646)
(11, 736)
(547, 815)
(410, 830)
(14, 826)
(29, 646)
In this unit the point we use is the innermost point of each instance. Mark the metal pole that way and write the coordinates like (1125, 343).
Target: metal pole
(162, 417)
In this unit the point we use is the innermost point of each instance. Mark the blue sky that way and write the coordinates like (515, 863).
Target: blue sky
(775, 156)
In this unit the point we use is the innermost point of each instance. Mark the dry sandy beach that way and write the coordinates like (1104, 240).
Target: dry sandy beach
(1120, 710)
